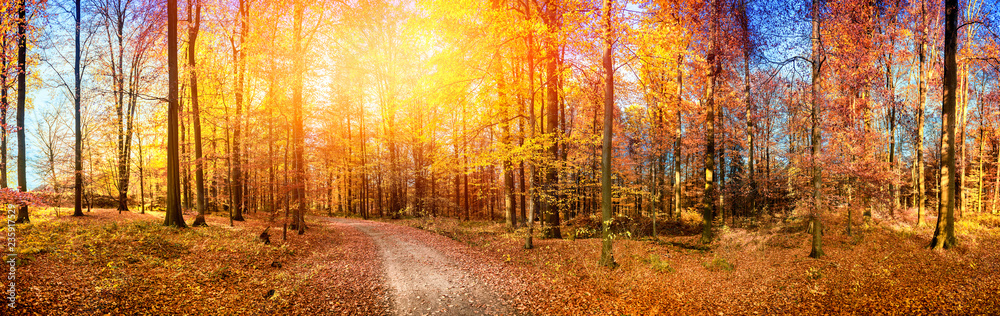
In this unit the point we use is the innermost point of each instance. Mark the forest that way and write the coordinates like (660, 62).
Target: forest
(533, 156)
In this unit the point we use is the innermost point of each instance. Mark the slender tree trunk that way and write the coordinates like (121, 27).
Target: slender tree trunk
(508, 173)
(893, 160)
(944, 235)
(238, 53)
(298, 128)
(549, 209)
(677, 139)
(199, 163)
(174, 217)
(921, 104)
(4, 107)
(530, 172)
(142, 177)
(815, 223)
(78, 146)
(996, 178)
(607, 255)
(22, 90)
(747, 50)
(714, 63)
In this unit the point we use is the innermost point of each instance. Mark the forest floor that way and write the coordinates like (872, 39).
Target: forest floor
(884, 267)
(106, 263)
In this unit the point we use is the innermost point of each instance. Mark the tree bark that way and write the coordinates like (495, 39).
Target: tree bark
(4, 107)
(297, 124)
(78, 145)
(708, 201)
(237, 175)
(921, 105)
(815, 222)
(549, 209)
(174, 217)
(22, 89)
(196, 113)
(944, 233)
(607, 255)
(677, 139)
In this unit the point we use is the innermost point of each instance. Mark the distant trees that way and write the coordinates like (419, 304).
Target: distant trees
(487, 109)
(130, 31)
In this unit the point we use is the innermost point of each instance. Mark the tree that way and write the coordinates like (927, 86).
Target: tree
(918, 161)
(193, 27)
(78, 131)
(815, 224)
(4, 87)
(22, 91)
(607, 256)
(714, 63)
(49, 136)
(298, 130)
(130, 32)
(944, 232)
(173, 217)
(238, 57)
(552, 20)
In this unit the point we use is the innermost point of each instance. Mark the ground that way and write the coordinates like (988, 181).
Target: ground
(129, 263)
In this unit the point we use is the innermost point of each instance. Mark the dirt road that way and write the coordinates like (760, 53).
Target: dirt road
(424, 281)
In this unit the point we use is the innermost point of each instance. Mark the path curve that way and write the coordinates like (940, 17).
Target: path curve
(423, 280)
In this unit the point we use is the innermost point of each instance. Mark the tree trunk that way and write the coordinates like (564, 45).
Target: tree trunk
(174, 217)
(944, 237)
(714, 66)
(4, 106)
(297, 124)
(607, 255)
(549, 209)
(815, 222)
(921, 104)
(78, 146)
(22, 90)
(530, 172)
(199, 176)
(238, 53)
(677, 139)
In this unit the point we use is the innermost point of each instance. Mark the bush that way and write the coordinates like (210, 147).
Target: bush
(718, 264)
(658, 264)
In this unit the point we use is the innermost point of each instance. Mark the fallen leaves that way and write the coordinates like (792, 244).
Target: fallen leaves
(106, 263)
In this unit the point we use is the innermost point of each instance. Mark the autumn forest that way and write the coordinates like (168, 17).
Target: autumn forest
(245, 157)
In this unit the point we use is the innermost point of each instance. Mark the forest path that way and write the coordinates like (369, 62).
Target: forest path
(424, 281)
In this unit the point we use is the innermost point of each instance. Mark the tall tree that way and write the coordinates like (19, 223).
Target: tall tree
(918, 161)
(193, 26)
(22, 90)
(78, 146)
(4, 87)
(238, 56)
(607, 255)
(549, 211)
(714, 64)
(298, 130)
(944, 236)
(816, 226)
(173, 217)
